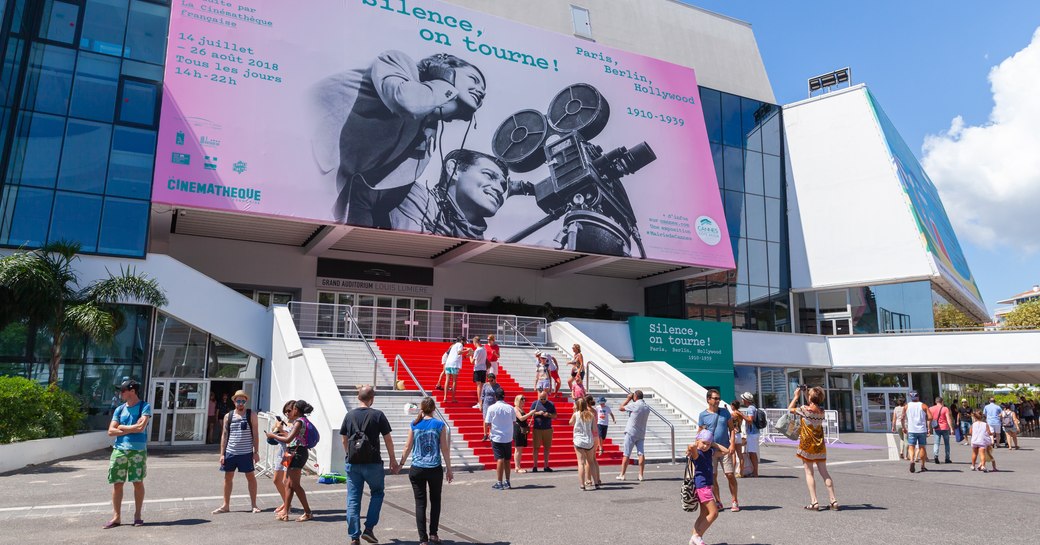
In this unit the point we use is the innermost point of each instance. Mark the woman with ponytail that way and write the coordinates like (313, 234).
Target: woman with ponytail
(431, 459)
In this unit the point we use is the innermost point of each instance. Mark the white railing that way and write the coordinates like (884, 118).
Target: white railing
(399, 363)
(327, 320)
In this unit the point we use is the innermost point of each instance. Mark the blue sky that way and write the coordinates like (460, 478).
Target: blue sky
(927, 62)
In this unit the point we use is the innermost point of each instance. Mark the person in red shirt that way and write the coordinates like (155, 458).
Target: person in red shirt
(943, 424)
(493, 353)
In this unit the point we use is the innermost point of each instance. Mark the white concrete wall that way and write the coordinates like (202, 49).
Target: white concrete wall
(720, 49)
(612, 336)
(14, 456)
(992, 350)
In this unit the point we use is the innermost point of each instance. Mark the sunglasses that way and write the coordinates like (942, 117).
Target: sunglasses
(714, 399)
(240, 402)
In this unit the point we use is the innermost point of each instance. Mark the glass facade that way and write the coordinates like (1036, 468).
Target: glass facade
(80, 91)
(886, 308)
(746, 138)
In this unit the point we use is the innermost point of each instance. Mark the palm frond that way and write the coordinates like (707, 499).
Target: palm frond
(127, 287)
(92, 320)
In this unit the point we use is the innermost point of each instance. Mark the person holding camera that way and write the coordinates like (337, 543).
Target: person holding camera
(281, 482)
(635, 431)
(812, 442)
(239, 450)
(542, 428)
(376, 127)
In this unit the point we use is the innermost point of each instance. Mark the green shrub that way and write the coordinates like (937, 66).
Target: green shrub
(29, 411)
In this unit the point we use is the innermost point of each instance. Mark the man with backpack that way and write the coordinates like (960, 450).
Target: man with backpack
(239, 450)
(361, 430)
(755, 421)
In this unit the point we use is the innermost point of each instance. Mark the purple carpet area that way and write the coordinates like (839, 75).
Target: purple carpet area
(850, 446)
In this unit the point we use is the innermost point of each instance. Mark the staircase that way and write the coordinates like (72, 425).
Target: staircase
(351, 363)
(424, 359)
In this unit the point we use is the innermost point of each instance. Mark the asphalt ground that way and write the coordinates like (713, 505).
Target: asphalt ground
(882, 502)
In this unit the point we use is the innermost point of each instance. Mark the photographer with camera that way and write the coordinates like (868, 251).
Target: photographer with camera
(376, 127)
(812, 443)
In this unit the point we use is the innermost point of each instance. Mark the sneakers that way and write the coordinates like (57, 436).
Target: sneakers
(498, 486)
(936, 460)
(477, 406)
(913, 468)
(548, 469)
(640, 478)
(734, 508)
(506, 486)
(534, 469)
(948, 461)
(696, 540)
(368, 536)
(620, 476)
(923, 469)
(355, 542)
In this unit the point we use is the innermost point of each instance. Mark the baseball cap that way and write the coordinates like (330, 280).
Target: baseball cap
(537, 353)
(746, 396)
(130, 384)
(601, 400)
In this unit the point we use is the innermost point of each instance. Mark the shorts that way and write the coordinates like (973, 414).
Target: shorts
(726, 460)
(629, 444)
(704, 495)
(542, 385)
(453, 371)
(542, 437)
(127, 466)
(739, 438)
(502, 451)
(555, 374)
(243, 463)
(602, 431)
(299, 457)
(480, 376)
(995, 428)
(752, 444)
(917, 439)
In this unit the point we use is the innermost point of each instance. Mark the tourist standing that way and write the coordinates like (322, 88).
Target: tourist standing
(493, 353)
(964, 420)
(488, 396)
(604, 416)
(982, 440)
(916, 420)
(716, 420)
(278, 476)
(129, 459)
(577, 364)
(942, 422)
(738, 438)
(501, 416)
(812, 443)
(239, 450)
(700, 454)
(479, 357)
(296, 455)
(542, 429)
(992, 412)
(521, 428)
(360, 431)
(1025, 414)
(431, 458)
(541, 373)
(584, 442)
(635, 432)
(1010, 423)
(753, 433)
(897, 427)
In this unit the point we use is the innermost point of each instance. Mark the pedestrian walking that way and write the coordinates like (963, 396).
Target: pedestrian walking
(635, 432)
(488, 396)
(753, 416)
(129, 459)
(700, 454)
(812, 443)
(452, 368)
(992, 412)
(964, 420)
(360, 432)
(1010, 423)
(577, 364)
(897, 427)
(541, 372)
(716, 419)
(278, 476)
(494, 352)
(501, 416)
(916, 420)
(738, 438)
(239, 450)
(942, 424)
(521, 428)
(429, 447)
(604, 416)
(542, 429)
(479, 357)
(298, 440)
(982, 439)
(1025, 414)
(584, 442)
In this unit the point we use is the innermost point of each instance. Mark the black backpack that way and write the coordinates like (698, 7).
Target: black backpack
(760, 419)
(360, 449)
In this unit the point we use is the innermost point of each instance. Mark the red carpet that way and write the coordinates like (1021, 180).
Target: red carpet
(424, 359)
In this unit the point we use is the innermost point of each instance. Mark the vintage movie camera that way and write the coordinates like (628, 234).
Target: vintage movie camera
(584, 183)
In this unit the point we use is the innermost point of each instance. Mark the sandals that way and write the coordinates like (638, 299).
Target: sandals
(256, 510)
(111, 524)
(835, 506)
(138, 522)
(521, 470)
(219, 510)
(305, 517)
(814, 506)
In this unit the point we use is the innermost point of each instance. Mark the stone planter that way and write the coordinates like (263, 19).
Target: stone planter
(15, 456)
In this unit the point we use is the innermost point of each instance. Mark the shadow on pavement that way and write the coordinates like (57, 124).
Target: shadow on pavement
(759, 507)
(862, 507)
(181, 522)
(774, 477)
(531, 486)
(446, 542)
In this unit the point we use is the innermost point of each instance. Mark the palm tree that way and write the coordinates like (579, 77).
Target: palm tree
(43, 287)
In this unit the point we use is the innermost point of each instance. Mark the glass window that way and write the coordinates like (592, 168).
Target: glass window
(753, 172)
(130, 166)
(774, 222)
(226, 361)
(104, 24)
(772, 173)
(142, 70)
(146, 32)
(84, 161)
(23, 218)
(138, 102)
(740, 258)
(129, 344)
(94, 93)
(782, 312)
(716, 159)
(124, 226)
(35, 154)
(179, 350)
(734, 205)
(59, 22)
(732, 132)
(773, 250)
(739, 295)
(771, 135)
(774, 388)
(745, 379)
(733, 161)
(49, 79)
(755, 214)
(9, 73)
(834, 301)
(711, 103)
(758, 272)
(76, 217)
(752, 135)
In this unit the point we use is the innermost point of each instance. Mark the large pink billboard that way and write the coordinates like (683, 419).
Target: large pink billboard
(421, 116)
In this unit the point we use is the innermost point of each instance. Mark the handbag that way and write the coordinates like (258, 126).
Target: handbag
(687, 494)
(789, 426)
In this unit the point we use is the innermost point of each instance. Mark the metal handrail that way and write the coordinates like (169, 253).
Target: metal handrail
(398, 362)
(348, 316)
(524, 337)
(671, 426)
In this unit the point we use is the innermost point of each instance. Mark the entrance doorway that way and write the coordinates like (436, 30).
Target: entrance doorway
(222, 390)
(179, 411)
(878, 404)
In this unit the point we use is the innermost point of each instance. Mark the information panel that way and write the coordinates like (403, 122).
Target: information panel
(700, 350)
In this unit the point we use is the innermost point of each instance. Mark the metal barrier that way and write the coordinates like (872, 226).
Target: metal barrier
(399, 363)
(328, 320)
(269, 454)
(770, 434)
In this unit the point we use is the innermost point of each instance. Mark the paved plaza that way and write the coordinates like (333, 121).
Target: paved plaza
(67, 502)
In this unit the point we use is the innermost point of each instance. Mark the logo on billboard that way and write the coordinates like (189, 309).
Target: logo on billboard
(207, 141)
(239, 167)
(708, 230)
(180, 158)
(180, 138)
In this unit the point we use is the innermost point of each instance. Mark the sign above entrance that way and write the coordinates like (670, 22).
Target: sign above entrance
(369, 286)
(700, 350)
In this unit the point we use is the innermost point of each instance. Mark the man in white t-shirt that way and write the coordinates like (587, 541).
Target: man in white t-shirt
(501, 416)
(603, 417)
(916, 420)
(479, 368)
(452, 366)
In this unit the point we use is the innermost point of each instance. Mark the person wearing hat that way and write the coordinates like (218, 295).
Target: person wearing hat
(603, 412)
(129, 458)
(753, 435)
(917, 423)
(239, 450)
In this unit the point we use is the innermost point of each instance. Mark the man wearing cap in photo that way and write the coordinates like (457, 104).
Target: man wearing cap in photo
(129, 455)
(239, 450)
(916, 423)
(752, 431)
(603, 417)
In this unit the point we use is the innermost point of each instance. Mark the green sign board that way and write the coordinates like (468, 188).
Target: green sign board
(700, 350)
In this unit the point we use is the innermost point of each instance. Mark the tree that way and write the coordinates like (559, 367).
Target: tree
(1025, 316)
(948, 316)
(44, 287)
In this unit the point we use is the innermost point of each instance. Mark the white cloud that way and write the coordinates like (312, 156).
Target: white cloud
(989, 175)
